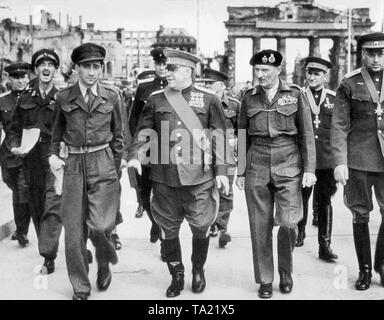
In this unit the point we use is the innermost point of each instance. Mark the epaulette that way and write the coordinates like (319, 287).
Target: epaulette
(5, 93)
(145, 80)
(205, 90)
(156, 92)
(331, 92)
(233, 99)
(113, 88)
(352, 73)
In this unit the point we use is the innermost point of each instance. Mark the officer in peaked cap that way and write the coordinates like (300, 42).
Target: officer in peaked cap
(357, 141)
(11, 165)
(144, 185)
(276, 120)
(321, 102)
(45, 54)
(88, 118)
(215, 80)
(183, 182)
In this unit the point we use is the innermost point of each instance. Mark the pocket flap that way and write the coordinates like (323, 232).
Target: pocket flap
(28, 106)
(287, 109)
(253, 111)
(105, 108)
(69, 107)
(361, 96)
(163, 109)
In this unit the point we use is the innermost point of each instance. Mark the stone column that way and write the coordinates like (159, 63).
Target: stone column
(231, 51)
(338, 58)
(314, 46)
(281, 47)
(255, 48)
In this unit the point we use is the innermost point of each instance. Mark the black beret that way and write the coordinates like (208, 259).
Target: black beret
(267, 57)
(45, 54)
(373, 40)
(214, 75)
(317, 63)
(88, 52)
(18, 69)
(158, 55)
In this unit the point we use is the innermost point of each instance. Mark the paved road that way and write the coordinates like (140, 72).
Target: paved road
(141, 275)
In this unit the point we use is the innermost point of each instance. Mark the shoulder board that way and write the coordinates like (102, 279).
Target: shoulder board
(205, 90)
(112, 88)
(233, 99)
(331, 92)
(156, 92)
(5, 93)
(352, 73)
(145, 80)
(248, 90)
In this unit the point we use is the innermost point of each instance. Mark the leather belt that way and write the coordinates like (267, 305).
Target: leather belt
(275, 141)
(87, 149)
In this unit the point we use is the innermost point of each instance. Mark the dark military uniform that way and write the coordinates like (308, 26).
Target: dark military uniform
(91, 187)
(11, 166)
(280, 147)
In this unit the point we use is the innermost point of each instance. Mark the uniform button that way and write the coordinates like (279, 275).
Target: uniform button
(178, 148)
(316, 136)
(178, 135)
(380, 131)
(179, 123)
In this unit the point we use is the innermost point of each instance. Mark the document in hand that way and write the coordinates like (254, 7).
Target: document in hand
(59, 177)
(29, 139)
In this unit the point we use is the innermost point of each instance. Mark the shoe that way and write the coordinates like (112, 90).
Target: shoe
(177, 271)
(104, 277)
(116, 241)
(198, 280)
(89, 256)
(154, 233)
(265, 290)
(139, 212)
(80, 296)
(224, 238)
(14, 236)
(326, 253)
(364, 280)
(23, 240)
(48, 266)
(300, 239)
(286, 282)
(213, 231)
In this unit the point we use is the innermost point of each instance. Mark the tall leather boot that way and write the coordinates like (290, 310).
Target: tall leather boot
(379, 254)
(363, 252)
(199, 257)
(324, 234)
(306, 193)
(315, 212)
(175, 266)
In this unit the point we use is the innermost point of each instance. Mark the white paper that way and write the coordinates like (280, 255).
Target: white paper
(59, 177)
(29, 139)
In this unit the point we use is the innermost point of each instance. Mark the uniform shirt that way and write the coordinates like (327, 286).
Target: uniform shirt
(323, 132)
(355, 126)
(144, 90)
(158, 109)
(8, 101)
(287, 115)
(33, 111)
(77, 126)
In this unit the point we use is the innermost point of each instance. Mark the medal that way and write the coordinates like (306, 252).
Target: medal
(374, 94)
(314, 107)
(317, 121)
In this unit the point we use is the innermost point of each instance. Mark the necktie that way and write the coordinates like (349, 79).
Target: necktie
(91, 98)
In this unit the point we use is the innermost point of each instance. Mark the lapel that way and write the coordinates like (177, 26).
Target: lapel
(259, 91)
(101, 97)
(77, 97)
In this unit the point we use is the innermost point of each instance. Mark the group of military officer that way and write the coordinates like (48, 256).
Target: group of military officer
(185, 142)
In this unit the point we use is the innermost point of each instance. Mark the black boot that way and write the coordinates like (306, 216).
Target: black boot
(300, 237)
(306, 193)
(324, 233)
(363, 252)
(315, 208)
(379, 254)
(172, 251)
(199, 257)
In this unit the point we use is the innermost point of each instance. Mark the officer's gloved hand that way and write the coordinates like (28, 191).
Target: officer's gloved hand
(240, 182)
(309, 179)
(341, 174)
(222, 181)
(134, 163)
(123, 164)
(18, 151)
(55, 162)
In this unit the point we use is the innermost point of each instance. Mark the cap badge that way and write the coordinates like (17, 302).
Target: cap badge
(271, 59)
(376, 44)
(264, 59)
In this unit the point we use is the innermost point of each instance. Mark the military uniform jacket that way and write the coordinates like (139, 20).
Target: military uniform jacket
(287, 115)
(77, 126)
(355, 126)
(144, 90)
(158, 109)
(8, 103)
(231, 108)
(323, 131)
(33, 111)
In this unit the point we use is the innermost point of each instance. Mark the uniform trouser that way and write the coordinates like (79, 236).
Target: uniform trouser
(273, 178)
(323, 191)
(15, 180)
(143, 191)
(198, 204)
(90, 203)
(226, 206)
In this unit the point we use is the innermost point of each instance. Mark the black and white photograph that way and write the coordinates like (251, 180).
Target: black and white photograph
(192, 154)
